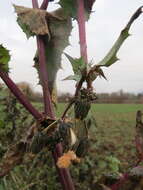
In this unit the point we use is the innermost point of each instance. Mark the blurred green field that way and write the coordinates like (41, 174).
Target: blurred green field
(109, 108)
(111, 151)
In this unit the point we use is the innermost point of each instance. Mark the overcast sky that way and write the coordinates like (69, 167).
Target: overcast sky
(106, 22)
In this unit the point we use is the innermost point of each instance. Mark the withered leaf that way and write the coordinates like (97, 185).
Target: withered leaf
(32, 21)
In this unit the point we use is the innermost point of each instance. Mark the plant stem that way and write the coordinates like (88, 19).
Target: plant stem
(35, 4)
(82, 30)
(44, 4)
(44, 77)
(20, 96)
(43, 71)
(82, 39)
(67, 108)
(64, 174)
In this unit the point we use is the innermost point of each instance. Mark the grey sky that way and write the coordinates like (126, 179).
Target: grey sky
(106, 22)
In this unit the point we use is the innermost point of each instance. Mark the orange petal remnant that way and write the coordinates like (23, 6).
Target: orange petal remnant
(65, 160)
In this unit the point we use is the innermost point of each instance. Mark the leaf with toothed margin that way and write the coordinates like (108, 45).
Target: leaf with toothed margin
(111, 57)
(78, 64)
(70, 7)
(4, 59)
(60, 32)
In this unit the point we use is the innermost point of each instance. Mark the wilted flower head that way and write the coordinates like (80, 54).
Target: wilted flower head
(65, 160)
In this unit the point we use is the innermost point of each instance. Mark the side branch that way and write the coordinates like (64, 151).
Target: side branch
(20, 96)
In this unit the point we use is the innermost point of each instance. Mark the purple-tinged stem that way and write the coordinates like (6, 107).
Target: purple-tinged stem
(44, 4)
(20, 96)
(44, 77)
(43, 72)
(64, 174)
(82, 38)
(82, 30)
(35, 4)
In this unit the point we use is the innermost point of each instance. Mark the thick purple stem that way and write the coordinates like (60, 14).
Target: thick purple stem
(35, 4)
(44, 77)
(64, 174)
(82, 31)
(19, 95)
(44, 4)
(82, 38)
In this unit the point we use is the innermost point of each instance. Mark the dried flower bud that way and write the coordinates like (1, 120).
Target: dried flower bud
(66, 160)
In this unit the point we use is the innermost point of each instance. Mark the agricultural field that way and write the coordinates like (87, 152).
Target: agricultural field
(111, 152)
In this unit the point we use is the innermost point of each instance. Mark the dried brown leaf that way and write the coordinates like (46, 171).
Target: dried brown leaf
(34, 19)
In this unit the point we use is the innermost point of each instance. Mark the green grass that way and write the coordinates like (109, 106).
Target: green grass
(108, 108)
(117, 108)
(113, 134)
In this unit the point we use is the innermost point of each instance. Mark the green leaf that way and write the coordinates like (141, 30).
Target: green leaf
(60, 30)
(73, 77)
(2, 124)
(78, 65)
(114, 163)
(4, 59)
(70, 7)
(111, 57)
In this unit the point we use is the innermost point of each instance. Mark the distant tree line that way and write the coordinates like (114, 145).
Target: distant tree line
(26, 89)
(114, 97)
(119, 97)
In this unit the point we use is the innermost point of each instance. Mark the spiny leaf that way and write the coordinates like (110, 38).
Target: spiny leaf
(32, 21)
(4, 59)
(70, 7)
(78, 64)
(60, 31)
(111, 57)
